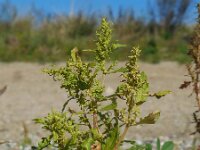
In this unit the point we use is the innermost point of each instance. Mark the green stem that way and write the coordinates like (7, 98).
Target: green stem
(121, 138)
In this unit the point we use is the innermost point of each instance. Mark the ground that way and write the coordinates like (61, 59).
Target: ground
(31, 94)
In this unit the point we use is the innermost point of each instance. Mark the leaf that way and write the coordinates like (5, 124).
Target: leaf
(119, 45)
(129, 141)
(142, 92)
(185, 84)
(158, 144)
(55, 136)
(83, 85)
(122, 69)
(39, 120)
(150, 119)
(109, 107)
(86, 145)
(92, 64)
(44, 143)
(148, 147)
(134, 146)
(169, 145)
(111, 140)
(161, 94)
(137, 147)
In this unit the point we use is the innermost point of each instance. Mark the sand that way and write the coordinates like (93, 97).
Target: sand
(31, 94)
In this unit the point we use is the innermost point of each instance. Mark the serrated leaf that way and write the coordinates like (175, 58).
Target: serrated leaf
(169, 145)
(150, 119)
(161, 94)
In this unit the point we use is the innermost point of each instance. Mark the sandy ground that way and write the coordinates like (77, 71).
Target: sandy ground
(31, 94)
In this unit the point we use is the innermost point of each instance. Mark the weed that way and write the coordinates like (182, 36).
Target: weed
(98, 124)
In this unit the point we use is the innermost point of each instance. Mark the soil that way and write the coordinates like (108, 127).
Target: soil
(31, 94)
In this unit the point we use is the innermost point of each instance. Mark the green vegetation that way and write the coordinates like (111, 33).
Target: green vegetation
(36, 37)
(168, 145)
(97, 124)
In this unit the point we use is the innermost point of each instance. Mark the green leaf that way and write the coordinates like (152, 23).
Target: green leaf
(161, 94)
(122, 69)
(150, 119)
(143, 91)
(129, 141)
(83, 85)
(86, 145)
(148, 147)
(39, 120)
(96, 134)
(55, 136)
(119, 45)
(137, 147)
(134, 146)
(158, 144)
(109, 107)
(111, 140)
(169, 145)
(44, 143)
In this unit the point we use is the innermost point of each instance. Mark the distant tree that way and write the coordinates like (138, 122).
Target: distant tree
(8, 12)
(169, 14)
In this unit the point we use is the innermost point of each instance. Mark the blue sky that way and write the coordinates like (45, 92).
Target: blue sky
(90, 6)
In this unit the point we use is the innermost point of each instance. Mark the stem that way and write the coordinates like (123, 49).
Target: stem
(95, 126)
(89, 125)
(121, 138)
(103, 76)
(95, 119)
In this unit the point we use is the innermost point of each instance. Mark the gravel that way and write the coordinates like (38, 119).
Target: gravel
(31, 94)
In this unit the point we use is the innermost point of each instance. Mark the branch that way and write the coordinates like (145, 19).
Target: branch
(121, 138)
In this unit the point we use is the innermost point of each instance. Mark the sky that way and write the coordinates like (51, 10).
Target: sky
(90, 6)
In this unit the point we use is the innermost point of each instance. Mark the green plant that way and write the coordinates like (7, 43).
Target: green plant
(97, 123)
(168, 145)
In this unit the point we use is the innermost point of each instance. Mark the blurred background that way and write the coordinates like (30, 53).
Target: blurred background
(37, 33)
(35, 30)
